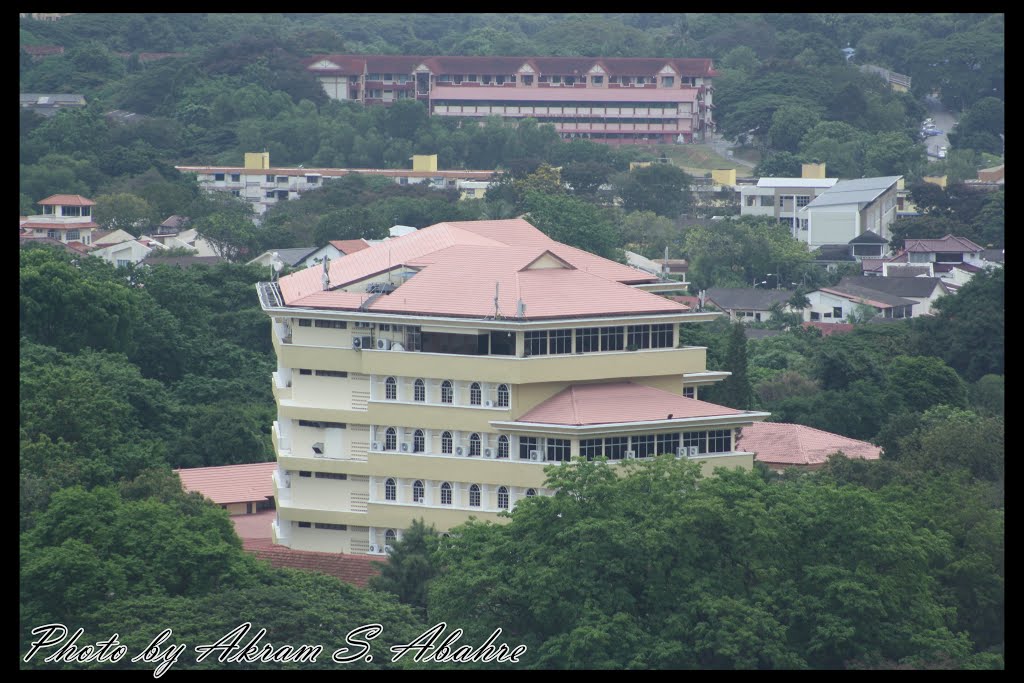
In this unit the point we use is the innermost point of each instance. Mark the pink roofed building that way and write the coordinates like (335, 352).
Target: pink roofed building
(615, 100)
(435, 374)
(239, 489)
(779, 445)
(65, 218)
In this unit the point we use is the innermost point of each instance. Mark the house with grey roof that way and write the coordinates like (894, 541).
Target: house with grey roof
(924, 290)
(748, 305)
(848, 209)
(291, 258)
(49, 104)
(843, 304)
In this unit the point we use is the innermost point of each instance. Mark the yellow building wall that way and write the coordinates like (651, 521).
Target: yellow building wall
(724, 176)
(424, 162)
(257, 160)
(812, 170)
(939, 180)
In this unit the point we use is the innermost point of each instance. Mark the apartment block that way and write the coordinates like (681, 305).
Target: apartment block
(615, 100)
(435, 376)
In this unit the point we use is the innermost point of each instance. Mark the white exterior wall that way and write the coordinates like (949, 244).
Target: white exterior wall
(823, 302)
(752, 191)
(834, 225)
(132, 252)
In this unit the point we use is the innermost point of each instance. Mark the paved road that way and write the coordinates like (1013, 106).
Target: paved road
(944, 121)
(722, 147)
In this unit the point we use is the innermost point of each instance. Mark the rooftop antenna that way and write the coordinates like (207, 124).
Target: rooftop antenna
(326, 278)
(520, 308)
(497, 311)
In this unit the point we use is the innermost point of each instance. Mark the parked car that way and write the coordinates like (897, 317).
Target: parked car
(942, 152)
(932, 131)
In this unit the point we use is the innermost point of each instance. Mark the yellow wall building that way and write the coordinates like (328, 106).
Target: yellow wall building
(435, 376)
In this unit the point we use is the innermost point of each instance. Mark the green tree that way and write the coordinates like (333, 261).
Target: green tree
(410, 566)
(231, 235)
(789, 125)
(735, 391)
(124, 211)
(661, 188)
(573, 222)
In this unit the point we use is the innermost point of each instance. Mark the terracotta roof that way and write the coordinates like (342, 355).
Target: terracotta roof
(564, 94)
(404, 64)
(230, 483)
(830, 328)
(588, 404)
(254, 526)
(349, 246)
(947, 243)
(354, 569)
(793, 444)
(455, 266)
(66, 200)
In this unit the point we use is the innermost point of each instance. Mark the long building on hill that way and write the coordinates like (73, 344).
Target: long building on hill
(616, 100)
(436, 374)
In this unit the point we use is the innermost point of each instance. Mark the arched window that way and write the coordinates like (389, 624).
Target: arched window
(389, 539)
(446, 391)
(418, 442)
(503, 498)
(446, 494)
(417, 491)
(502, 446)
(419, 391)
(474, 394)
(474, 445)
(531, 492)
(446, 442)
(390, 490)
(503, 396)
(390, 389)
(390, 439)
(474, 496)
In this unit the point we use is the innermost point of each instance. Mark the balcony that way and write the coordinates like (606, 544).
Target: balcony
(280, 388)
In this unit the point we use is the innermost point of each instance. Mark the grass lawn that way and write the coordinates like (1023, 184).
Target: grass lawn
(694, 159)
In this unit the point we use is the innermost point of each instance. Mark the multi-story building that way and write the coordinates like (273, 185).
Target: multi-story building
(436, 374)
(264, 185)
(66, 218)
(617, 100)
(782, 199)
(848, 209)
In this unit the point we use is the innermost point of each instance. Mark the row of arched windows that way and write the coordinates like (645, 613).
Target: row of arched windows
(447, 392)
(419, 491)
(419, 442)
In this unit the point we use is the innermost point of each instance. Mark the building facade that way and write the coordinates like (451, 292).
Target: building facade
(66, 218)
(263, 186)
(435, 376)
(848, 209)
(613, 100)
(782, 199)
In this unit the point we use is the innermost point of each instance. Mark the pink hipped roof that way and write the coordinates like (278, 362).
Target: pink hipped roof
(589, 404)
(793, 444)
(230, 483)
(455, 269)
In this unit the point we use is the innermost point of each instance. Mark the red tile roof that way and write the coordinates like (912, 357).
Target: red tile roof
(613, 66)
(349, 246)
(230, 483)
(457, 265)
(793, 444)
(66, 200)
(588, 404)
(947, 243)
(354, 569)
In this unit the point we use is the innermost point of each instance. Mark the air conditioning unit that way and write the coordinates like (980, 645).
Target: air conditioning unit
(405, 448)
(375, 446)
(383, 344)
(388, 549)
(488, 452)
(318, 448)
(362, 342)
(488, 404)
(459, 450)
(630, 454)
(534, 455)
(681, 452)
(694, 451)
(374, 548)
(363, 324)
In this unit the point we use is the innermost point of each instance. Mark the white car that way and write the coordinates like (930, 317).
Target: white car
(942, 152)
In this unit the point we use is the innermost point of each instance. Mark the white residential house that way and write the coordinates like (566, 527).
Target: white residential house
(829, 305)
(848, 209)
(127, 252)
(66, 218)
